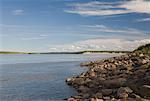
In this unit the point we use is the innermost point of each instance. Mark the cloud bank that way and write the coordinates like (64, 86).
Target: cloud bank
(97, 8)
(101, 44)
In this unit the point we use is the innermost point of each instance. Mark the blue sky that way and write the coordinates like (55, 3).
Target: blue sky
(72, 25)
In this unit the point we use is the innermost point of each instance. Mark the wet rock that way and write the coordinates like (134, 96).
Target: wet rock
(71, 99)
(69, 81)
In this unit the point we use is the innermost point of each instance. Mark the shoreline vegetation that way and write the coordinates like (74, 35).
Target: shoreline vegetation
(143, 49)
(80, 52)
(122, 78)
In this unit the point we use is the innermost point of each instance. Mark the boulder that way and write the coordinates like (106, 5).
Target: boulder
(145, 91)
(99, 99)
(71, 99)
(78, 81)
(123, 92)
(83, 89)
(114, 83)
(106, 98)
(107, 92)
(99, 95)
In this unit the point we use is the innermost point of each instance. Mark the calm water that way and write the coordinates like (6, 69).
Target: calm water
(40, 77)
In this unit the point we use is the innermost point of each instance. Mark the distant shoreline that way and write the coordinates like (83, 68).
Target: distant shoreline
(79, 52)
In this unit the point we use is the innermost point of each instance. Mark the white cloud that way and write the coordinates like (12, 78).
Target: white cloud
(18, 12)
(101, 44)
(139, 6)
(144, 19)
(123, 31)
(33, 38)
(96, 8)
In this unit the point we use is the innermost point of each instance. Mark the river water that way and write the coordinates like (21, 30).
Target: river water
(40, 77)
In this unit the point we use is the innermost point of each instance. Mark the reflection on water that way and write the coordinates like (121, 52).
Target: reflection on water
(41, 79)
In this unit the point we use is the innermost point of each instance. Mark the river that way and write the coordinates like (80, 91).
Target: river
(40, 77)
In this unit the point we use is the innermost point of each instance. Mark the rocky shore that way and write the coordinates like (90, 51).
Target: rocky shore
(123, 78)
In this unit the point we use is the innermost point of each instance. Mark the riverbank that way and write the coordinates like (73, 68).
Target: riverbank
(123, 78)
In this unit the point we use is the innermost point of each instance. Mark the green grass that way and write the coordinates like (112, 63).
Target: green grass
(143, 49)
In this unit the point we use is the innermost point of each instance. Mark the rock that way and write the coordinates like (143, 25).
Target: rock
(87, 63)
(92, 99)
(71, 99)
(99, 95)
(87, 80)
(122, 95)
(78, 81)
(69, 81)
(138, 98)
(141, 55)
(92, 74)
(106, 98)
(99, 99)
(130, 99)
(107, 92)
(83, 89)
(144, 61)
(114, 83)
(145, 91)
(114, 79)
(82, 75)
(127, 89)
(123, 92)
(113, 99)
(86, 95)
(78, 97)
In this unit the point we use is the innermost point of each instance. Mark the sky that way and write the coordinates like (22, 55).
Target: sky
(73, 25)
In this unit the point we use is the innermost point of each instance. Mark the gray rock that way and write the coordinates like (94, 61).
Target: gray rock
(111, 78)
(71, 99)
(107, 92)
